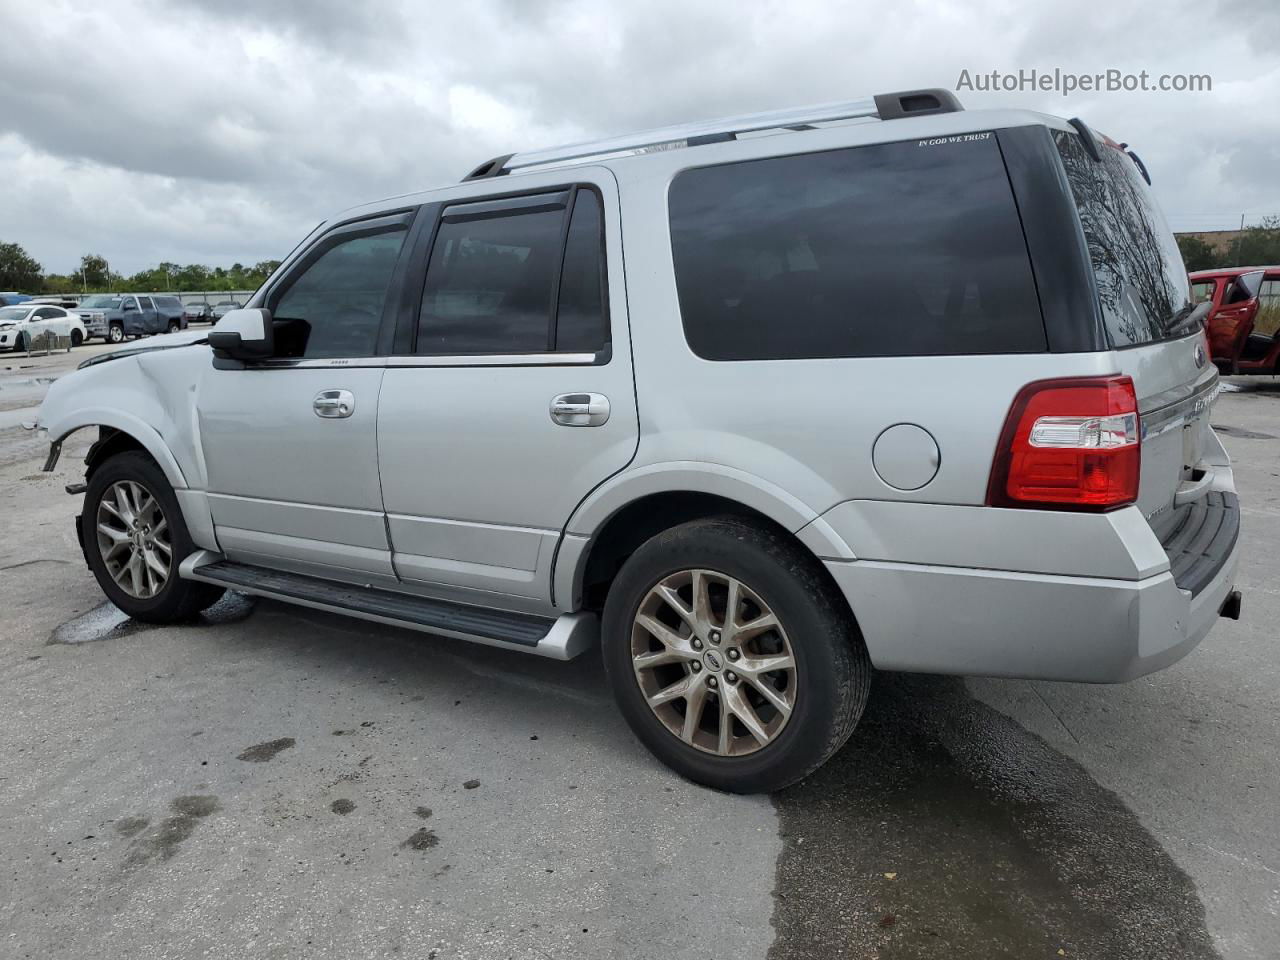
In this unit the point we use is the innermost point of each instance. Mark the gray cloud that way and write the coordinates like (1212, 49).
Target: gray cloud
(222, 130)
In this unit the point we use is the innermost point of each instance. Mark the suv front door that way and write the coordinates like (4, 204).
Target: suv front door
(47, 318)
(510, 395)
(290, 443)
(131, 319)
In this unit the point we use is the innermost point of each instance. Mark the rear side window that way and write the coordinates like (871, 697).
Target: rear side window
(528, 279)
(892, 249)
(580, 318)
(1142, 283)
(1202, 290)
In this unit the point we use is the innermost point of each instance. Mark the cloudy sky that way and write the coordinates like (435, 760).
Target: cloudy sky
(217, 131)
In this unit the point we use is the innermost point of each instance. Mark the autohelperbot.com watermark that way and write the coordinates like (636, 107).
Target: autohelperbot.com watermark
(1066, 82)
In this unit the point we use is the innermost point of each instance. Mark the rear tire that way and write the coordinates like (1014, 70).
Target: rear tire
(115, 534)
(815, 696)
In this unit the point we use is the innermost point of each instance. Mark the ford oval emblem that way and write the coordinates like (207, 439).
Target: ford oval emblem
(1200, 357)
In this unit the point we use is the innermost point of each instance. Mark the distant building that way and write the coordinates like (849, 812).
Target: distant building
(1220, 240)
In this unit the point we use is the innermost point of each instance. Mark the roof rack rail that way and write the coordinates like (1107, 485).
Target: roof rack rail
(884, 106)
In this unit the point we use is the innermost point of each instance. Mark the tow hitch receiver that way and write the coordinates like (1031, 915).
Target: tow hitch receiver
(1231, 606)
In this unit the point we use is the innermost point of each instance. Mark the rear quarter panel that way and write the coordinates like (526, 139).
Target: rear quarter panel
(806, 427)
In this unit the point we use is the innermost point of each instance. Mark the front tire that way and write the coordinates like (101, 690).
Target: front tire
(173, 328)
(732, 656)
(76, 338)
(115, 335)
(134, 538)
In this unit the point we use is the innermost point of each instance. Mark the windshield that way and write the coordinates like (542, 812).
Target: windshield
(1142, 283)
(101, 302)
(13, 313)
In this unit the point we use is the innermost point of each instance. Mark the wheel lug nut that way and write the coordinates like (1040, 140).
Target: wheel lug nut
(715, 636)
(696, 666)
(711, 682)
(697, 644)
(733, 654)
(731, 676)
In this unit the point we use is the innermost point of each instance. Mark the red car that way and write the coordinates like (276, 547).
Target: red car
(1244, 317)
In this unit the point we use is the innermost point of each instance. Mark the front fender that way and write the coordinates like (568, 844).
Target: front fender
(149, 399)
(151, 441)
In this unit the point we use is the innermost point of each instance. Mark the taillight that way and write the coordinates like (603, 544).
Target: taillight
(1073, 444)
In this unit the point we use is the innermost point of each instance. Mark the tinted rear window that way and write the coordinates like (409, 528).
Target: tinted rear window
(1141, 280)
(886, 250)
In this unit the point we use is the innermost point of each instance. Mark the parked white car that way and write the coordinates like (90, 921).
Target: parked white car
(21, 324)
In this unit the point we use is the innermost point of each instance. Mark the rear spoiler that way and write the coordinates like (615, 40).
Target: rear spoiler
(1091, 145)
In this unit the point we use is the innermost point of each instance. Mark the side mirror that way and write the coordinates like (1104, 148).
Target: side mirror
(243, 335)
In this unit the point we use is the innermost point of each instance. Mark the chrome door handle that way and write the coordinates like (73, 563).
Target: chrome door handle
(580, 409)
(334, 404)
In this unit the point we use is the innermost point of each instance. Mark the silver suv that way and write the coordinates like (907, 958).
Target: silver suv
(758, 404)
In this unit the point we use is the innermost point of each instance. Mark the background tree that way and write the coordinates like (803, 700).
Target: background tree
(93, 271)
(1258, 245)
(18, 271)
(1196, 254)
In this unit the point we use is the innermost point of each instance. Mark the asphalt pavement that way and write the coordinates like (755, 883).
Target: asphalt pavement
(271, 781)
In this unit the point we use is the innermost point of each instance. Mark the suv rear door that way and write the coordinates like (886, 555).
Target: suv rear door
(1260, 342)
(509, 396)
(1148, 315)
(1232, 322)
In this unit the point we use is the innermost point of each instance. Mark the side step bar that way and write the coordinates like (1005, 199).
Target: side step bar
(561, 638)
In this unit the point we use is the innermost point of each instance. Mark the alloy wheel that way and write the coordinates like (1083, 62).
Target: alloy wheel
(713, 662)
(134, 539)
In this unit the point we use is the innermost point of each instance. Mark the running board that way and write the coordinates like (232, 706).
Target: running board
(561, 638)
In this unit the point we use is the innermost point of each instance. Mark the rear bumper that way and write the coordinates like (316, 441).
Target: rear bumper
(1044, 595)
(953, 620)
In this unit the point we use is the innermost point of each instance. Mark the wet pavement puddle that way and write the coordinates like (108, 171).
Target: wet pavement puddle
(943, 828)
(107, 621)
(1242, 433)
